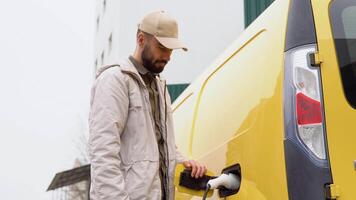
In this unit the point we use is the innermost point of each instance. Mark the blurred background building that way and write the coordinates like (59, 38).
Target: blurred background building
(207, 28)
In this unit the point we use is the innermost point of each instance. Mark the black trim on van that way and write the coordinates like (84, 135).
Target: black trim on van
(300, 27)
(305, 180)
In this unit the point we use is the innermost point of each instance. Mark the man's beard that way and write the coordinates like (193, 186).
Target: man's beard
(149, 63)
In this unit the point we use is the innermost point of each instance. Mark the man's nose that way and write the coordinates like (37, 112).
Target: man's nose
(166, 55)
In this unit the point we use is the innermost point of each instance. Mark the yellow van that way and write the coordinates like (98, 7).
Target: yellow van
(278, 107)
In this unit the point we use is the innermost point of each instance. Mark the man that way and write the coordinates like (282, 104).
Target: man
(132, 148)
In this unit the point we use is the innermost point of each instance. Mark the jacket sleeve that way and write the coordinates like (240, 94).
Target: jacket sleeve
(179, 157)
(108, 115)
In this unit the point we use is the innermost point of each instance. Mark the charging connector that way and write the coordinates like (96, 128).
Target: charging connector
(229, 181)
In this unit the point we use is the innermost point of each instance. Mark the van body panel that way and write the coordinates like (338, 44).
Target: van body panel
(237, 111)
(233, 113)
(339, 114)
(185, 110)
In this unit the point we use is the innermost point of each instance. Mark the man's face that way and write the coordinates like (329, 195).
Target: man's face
(154, 55)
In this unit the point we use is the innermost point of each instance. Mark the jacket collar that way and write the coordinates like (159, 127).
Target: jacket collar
(139, 67)
(128, 67)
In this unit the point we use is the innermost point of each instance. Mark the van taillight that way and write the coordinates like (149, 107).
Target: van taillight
(308, 106)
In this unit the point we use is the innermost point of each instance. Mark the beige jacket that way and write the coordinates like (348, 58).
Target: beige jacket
(122, 144)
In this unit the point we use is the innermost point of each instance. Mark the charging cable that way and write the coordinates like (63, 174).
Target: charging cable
(206, 192)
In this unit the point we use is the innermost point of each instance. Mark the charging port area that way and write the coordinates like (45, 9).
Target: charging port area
(186, 180)
(234, 170)
(227, 184)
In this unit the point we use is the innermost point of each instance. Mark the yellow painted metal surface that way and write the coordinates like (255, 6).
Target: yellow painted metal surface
(339, 115)
(233, 113)
(334, 191)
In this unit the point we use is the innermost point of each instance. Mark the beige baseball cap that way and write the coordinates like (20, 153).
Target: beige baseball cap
(164, 28)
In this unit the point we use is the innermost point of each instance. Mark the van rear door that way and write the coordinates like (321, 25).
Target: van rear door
(335, 23)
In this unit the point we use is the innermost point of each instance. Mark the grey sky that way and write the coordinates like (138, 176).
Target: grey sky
(46, 50)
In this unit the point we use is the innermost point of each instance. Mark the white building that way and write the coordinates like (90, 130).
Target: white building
(207, 28)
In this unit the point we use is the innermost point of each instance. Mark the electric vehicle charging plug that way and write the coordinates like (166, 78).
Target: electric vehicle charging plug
(229, 181)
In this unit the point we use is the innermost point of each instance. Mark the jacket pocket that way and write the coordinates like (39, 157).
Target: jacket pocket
(135, 103)
(142, 180)
(136, 98)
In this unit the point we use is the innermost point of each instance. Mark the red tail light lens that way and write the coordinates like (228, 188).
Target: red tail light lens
(308, 110)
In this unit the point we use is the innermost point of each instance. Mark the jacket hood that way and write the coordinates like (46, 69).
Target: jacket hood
(126, 66)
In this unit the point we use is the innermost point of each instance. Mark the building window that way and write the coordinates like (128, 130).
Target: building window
(102, 57)
(97, 22)
(110, 42)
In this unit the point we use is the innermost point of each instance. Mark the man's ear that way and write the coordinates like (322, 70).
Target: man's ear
(140, 39)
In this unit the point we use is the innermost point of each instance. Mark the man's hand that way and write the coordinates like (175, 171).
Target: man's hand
(198, 170)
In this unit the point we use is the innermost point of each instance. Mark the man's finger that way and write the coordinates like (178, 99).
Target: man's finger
(194, 169)
(202, 170)
(197, 174)
(187, 164)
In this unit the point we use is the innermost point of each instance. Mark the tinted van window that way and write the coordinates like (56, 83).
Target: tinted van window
(343, 19)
